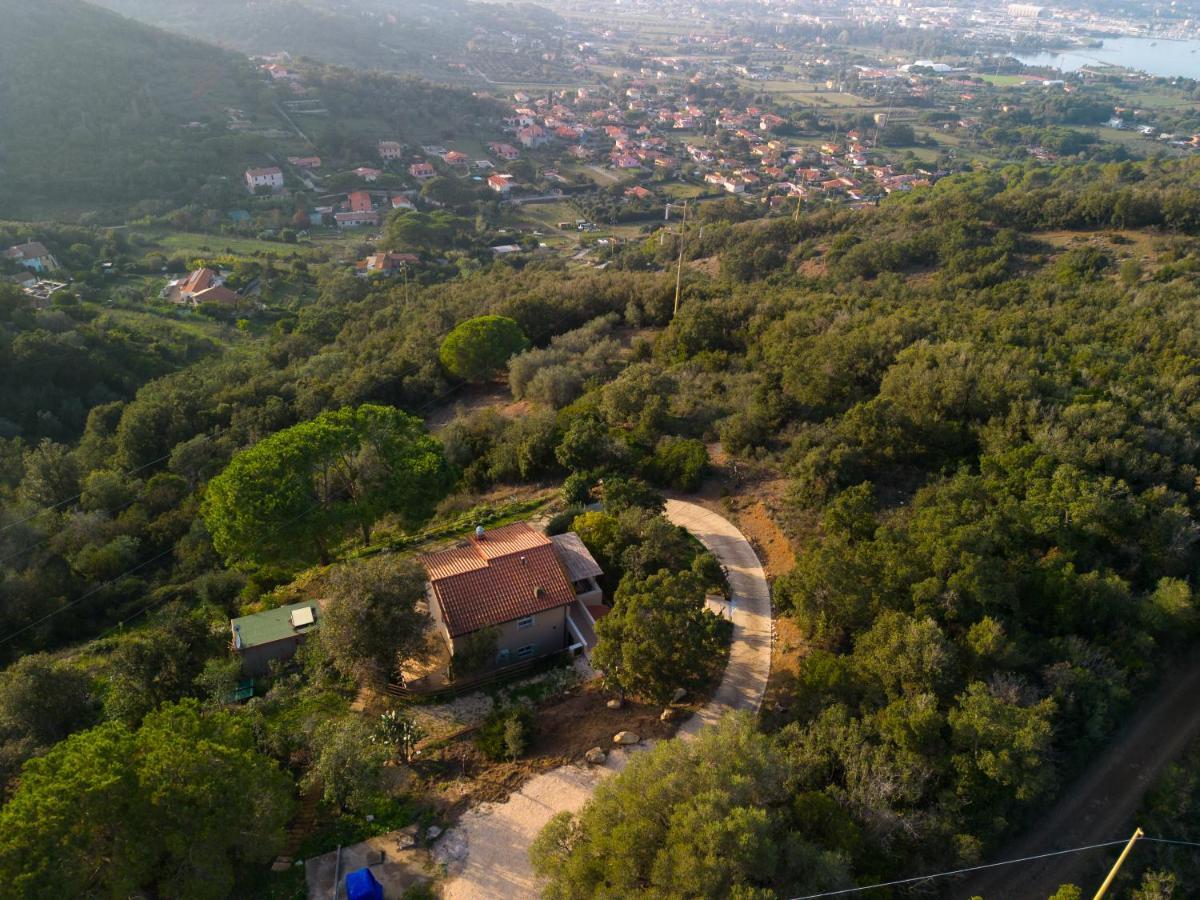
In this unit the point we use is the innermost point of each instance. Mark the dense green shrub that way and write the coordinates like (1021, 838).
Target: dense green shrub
(506, 733)
(479, 348)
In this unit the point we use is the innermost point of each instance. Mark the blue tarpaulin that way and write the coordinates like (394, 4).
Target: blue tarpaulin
(361, 885)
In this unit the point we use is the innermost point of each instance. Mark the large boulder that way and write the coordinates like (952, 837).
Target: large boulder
(679, 694)
(596, 756)
(614, 703)
(625, 737)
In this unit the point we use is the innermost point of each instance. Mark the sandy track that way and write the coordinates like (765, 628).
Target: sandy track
(1099, 806)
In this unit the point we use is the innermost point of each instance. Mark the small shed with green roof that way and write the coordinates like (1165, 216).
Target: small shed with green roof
(274, 634)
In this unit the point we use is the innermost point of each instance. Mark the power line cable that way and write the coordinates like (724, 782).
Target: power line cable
(85, 595)
(46, 509)
(130, 571)
(932, 875)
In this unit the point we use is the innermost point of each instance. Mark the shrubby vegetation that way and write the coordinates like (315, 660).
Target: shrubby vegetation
(176, 806)
(1006, 485)
(293, 494)
(699, 818)
(479, 348)
(987, 433)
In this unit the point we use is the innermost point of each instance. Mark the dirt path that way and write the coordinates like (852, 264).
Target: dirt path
(1099, 806)
(487, 853)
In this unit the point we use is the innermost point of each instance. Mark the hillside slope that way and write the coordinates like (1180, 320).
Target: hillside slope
(427, 38)
(96, 109)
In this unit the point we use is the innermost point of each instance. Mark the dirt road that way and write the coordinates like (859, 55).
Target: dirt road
(1099, 806)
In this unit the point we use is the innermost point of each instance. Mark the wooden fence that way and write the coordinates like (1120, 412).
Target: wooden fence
(478, 682)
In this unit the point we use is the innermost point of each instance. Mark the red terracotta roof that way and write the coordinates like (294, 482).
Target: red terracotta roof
(511, 573)
(200, 280)
(222, 295)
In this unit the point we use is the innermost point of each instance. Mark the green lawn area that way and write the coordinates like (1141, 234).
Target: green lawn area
(1002, 80)
(677, 190)
(199, 244)
(195, 325)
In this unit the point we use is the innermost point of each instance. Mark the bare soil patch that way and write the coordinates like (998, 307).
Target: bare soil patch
(471, 398)
(458, 776)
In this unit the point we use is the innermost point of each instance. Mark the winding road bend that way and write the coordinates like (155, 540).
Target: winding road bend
(487, 853)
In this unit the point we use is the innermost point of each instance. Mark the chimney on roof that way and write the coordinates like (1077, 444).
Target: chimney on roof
(524, 561)
(479, 532)
(539, 592)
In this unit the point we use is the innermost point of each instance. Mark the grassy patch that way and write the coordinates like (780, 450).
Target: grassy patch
(390, 814)
(196, 244)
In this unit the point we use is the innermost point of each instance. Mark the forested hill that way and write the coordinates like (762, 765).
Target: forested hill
(413, 37)
(972, 408)
(96, 108)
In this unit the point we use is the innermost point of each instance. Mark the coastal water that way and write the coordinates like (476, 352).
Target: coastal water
(1155, 56)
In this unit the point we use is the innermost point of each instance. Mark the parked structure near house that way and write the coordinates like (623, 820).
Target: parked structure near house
(272, 635)
(32, 255)
(532, 590)
(270, 178)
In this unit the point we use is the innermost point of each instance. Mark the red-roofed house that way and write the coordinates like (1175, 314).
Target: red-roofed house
(533, 591)
(201, 286)
(422, 171)
(501, 183)
(360, 201)
(533, 136)
(385, 264)
(505, 151)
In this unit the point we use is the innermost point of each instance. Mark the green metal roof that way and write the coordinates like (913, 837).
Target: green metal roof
(272, 625)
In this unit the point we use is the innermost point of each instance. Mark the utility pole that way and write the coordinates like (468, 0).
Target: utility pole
(1137, 835)
(679, 267)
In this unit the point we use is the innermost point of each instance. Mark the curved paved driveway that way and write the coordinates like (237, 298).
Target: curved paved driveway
(487, 853)
(745, 679)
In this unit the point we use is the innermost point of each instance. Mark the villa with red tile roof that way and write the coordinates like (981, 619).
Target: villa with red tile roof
(360, 201)
(531, 591)
(422, 171)
(501, 184)
(385, 263)
(201, 286)
(505, 151)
